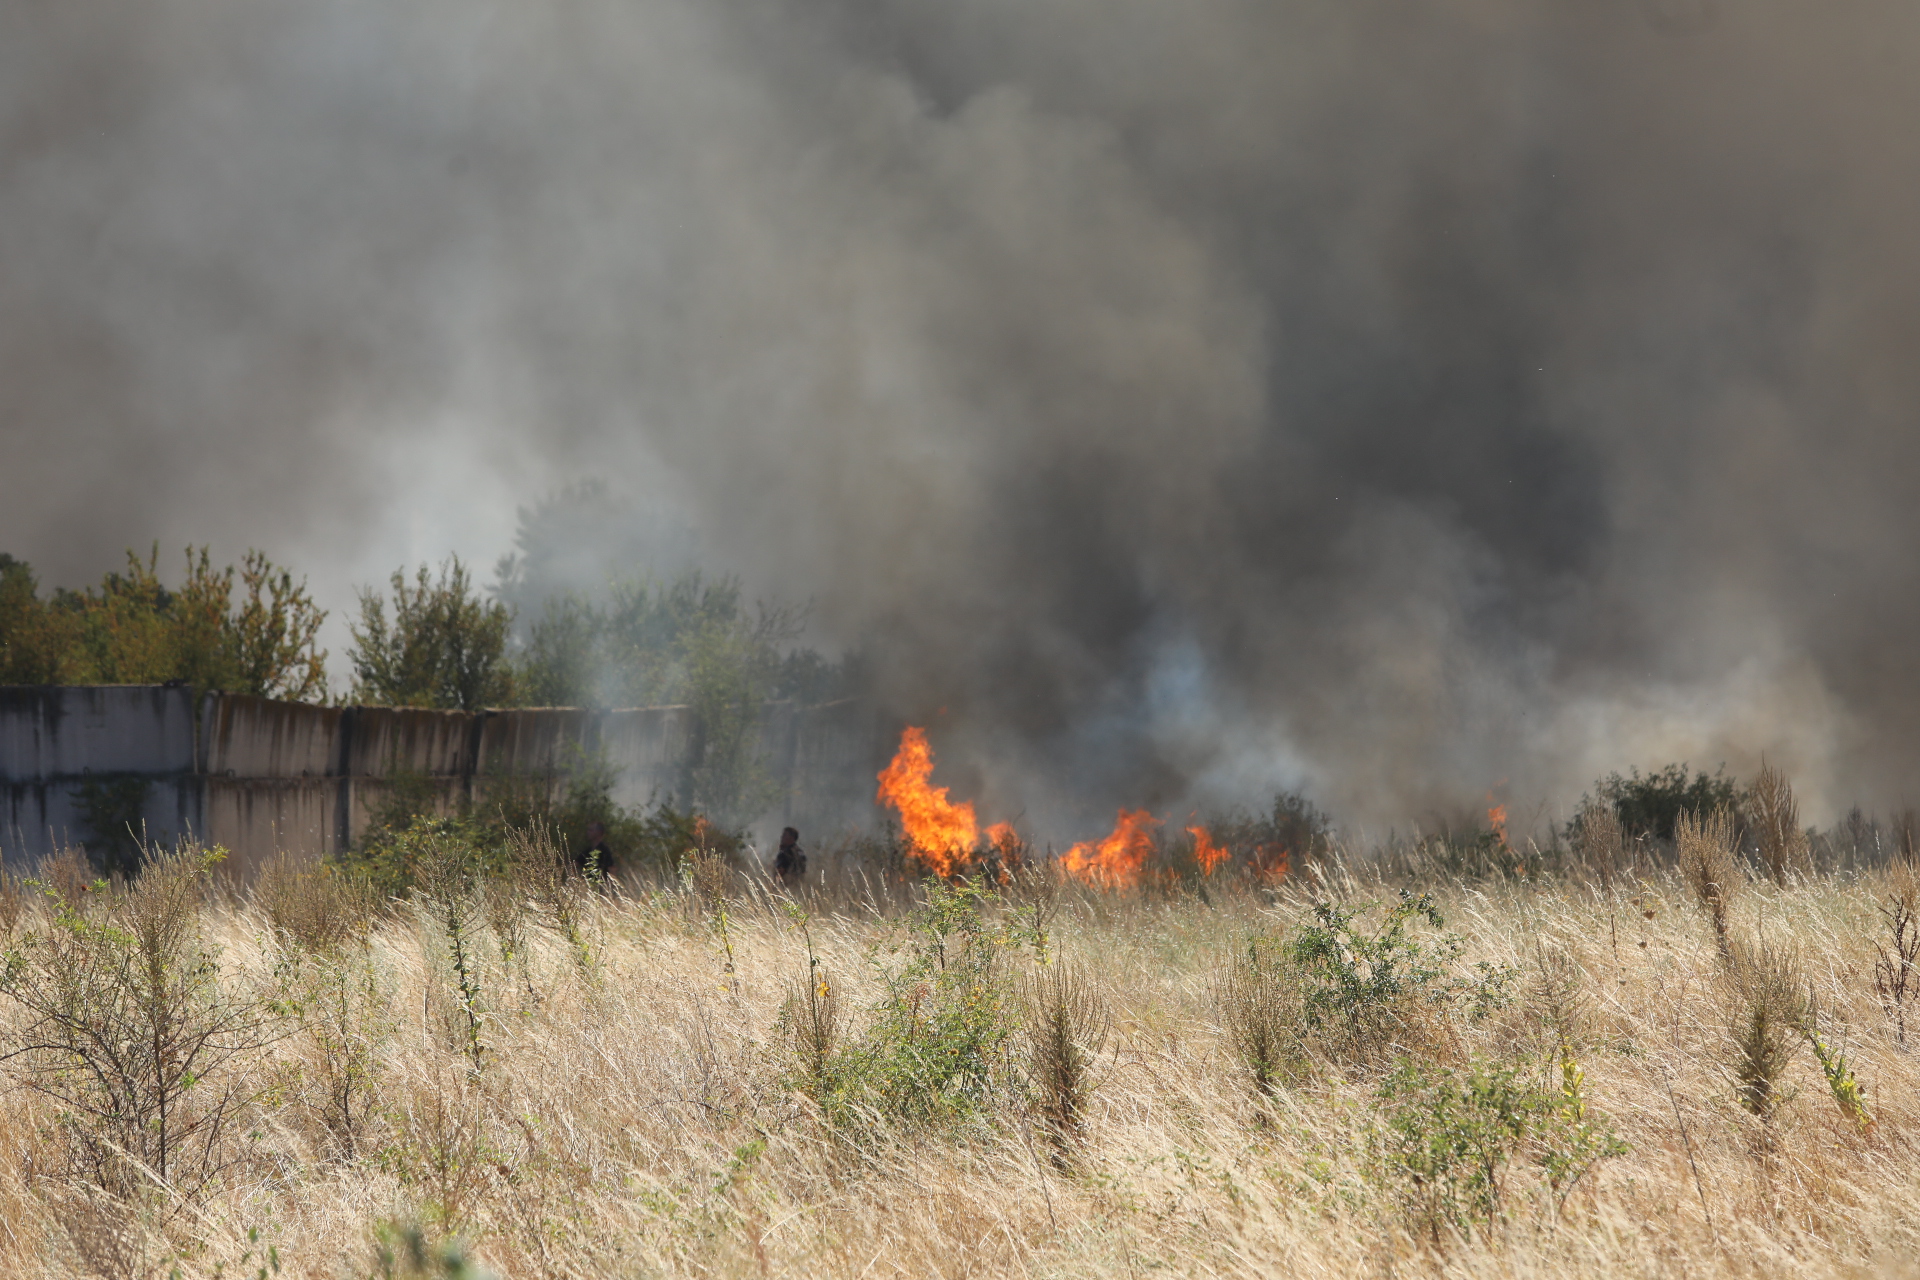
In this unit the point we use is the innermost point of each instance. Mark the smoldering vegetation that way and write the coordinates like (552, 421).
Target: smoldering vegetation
(1383, 400)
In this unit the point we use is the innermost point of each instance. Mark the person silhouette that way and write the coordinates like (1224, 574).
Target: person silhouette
(790, 863)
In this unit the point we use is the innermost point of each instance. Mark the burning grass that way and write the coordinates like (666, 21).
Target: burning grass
(702, 1076)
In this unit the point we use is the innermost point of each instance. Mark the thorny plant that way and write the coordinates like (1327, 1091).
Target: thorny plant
(129, 1031)
(1066, 1029)
(451, 898)
(1764, 1024)
(1894, 966)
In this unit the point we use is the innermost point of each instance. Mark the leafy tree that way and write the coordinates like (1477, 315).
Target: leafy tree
(692, 642)
(445, 647)
(38, 645)
(273, 634)
(133, 629)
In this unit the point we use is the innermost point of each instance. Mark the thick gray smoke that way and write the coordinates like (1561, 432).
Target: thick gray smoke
(1397, 399)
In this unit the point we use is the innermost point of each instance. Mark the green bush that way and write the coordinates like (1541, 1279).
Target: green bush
(937, 1044)
(1357, 988)
(1447, 1138)
(1650, 806)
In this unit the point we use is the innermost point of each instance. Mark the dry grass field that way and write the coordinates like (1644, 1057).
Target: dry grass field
(520, 1075)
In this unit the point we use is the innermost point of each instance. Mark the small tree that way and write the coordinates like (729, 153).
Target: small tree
(271, 639)
(445, 647)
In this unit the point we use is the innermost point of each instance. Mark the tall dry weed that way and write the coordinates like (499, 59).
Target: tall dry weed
(1766, 1019)
(1601, 843)
(1784, 849)
(316, 906)
(1710, 866)
(1259, 1005)
(1066, 1028)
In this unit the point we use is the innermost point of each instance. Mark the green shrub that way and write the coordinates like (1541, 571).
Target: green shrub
(112, 810)
(1447, 1138)
(936, 1047)
(1650, 806)
(1358, 988)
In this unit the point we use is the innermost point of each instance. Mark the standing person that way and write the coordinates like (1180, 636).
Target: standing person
(596, 859)
(790, 864)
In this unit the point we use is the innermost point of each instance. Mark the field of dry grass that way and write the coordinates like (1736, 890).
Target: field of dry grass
(708, 1078)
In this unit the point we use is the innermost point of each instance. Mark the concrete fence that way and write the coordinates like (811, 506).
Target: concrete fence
(259, 776)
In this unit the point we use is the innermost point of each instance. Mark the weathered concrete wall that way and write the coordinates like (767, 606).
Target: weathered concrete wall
(55, 742)
(56, 732)
(260, 776)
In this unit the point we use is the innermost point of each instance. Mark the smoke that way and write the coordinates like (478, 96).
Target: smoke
(1398, 399)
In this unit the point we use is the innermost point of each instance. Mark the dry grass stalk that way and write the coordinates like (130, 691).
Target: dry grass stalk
(1906, 835)
(1557, 997)
(15, 894)
(1783, 844)
(1259, 1004)
(1601, 843)
(316, 906)
(1710, 866)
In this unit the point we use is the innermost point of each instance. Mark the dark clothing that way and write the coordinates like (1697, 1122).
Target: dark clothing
(790, 864)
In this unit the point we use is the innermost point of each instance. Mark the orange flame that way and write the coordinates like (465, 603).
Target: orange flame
(1497, 819)
(942, 833)
(1003, 837)
(1208, 854)
(1117, 861)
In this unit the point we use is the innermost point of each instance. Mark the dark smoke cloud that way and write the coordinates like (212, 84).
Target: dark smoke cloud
(1392, 398)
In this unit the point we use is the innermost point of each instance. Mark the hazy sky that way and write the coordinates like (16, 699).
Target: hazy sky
(1402, 399)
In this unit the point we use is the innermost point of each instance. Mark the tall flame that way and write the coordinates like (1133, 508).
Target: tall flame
(1208, 854)
(1497, 820)
(942, 833)
(1272, 862)
(1117, 861)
